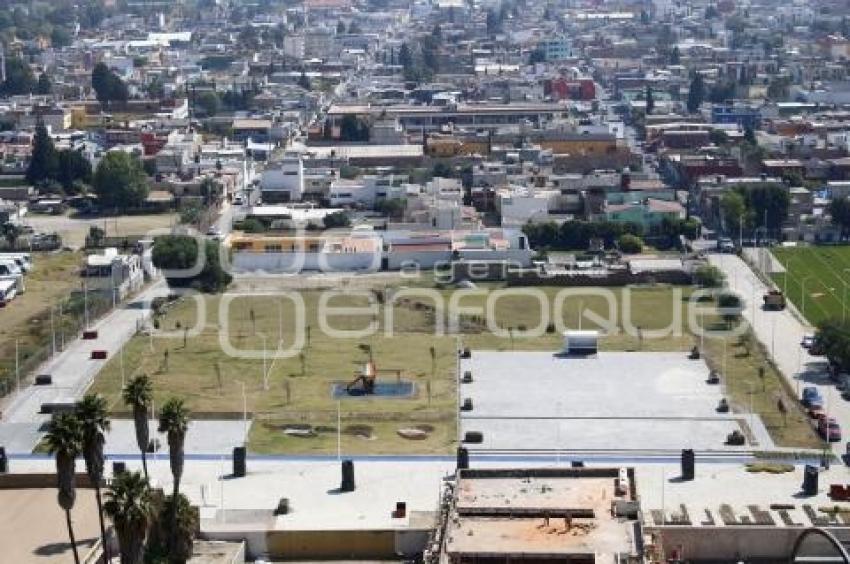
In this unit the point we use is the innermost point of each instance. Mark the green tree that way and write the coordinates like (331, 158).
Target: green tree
(180, 252)
(174, 422)
(537, 56)
(304, 82)
(128, 504)
(91, 412)
(74, 168)
(107, 85)
(340, 27)
(64, 441)
(336, 219)
(696, 93)
(120, 181)
(650, 100)
(137, 394)
(730, 306)
(19, 78)
(11, 232)
(209, 102)
(733, 208)
(44, 162)
(353, 128)
(839, 211)
(44, 86)
(709, 276)
(630, 244)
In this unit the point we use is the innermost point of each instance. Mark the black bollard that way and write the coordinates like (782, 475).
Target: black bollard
(239, 455)
(462, 458)
(4, 461)
(347, 476)
(810, 480)
(688, 463)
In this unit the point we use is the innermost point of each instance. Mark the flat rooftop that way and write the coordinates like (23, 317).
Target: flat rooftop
(549, 512)
(539, 401)
(33, 529)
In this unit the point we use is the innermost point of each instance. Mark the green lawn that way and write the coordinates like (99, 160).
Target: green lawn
(825, 272)
(299, 391)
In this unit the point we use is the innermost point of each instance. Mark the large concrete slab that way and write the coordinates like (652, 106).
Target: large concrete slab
(527, 401)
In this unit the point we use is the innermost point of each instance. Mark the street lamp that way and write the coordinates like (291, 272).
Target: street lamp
(265, 369)
(244, 411)
(803, 288)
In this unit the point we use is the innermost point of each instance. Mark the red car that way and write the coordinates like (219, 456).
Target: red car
(829, 429)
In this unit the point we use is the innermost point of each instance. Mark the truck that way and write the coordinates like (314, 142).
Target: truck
(774, 300)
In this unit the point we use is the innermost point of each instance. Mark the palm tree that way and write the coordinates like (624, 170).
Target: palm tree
(128, 504)
(174, 421)
(137, 394)
(91, 413)
(64, 440)
(183, 526)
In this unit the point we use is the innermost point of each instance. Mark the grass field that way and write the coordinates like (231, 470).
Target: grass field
(824, 272)
(299, 387)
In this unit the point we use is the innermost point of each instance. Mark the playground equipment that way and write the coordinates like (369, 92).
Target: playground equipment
(364, 381)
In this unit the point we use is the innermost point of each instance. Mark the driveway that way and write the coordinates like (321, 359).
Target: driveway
(781, 332)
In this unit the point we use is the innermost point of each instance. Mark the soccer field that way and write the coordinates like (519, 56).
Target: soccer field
(824, 273)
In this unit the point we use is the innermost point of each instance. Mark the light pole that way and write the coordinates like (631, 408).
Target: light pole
(265, 370)
(844, 299)
(803, 289)
(244, 411)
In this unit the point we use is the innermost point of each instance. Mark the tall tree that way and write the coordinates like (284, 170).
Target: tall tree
(120, 181)
(44, 162)
(138, 394)
(64, 441)
(44, 86)
(74, 168)
(19, 78)
(303, 81)
(696, 93)
(100, 83)
(91, 412)
(650, 100)
(128, 504)
(174, 422)
(839, 211)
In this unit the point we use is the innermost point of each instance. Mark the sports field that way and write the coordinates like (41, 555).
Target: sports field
(824, 274)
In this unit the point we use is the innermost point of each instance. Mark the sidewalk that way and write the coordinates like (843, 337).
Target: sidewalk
(72, 371)
(781, 332)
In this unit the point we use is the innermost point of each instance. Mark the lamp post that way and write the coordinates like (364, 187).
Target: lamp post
(803, 289)
(244, 411)
(265, 369)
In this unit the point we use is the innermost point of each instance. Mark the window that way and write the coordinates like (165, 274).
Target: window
(273, 248)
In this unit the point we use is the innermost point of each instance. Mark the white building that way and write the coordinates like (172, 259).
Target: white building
(283, 181)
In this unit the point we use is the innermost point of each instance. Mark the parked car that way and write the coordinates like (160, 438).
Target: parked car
(807, 342)
(829, 429)
(811, 397)
(725, 245)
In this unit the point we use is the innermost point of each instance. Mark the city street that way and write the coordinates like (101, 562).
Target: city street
(72, 371)
(781, 332)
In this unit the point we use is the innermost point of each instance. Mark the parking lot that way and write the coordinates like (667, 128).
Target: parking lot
(611, 401)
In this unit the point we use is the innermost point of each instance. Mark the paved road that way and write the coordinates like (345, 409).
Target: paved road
(781, 333)
(72, 371)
